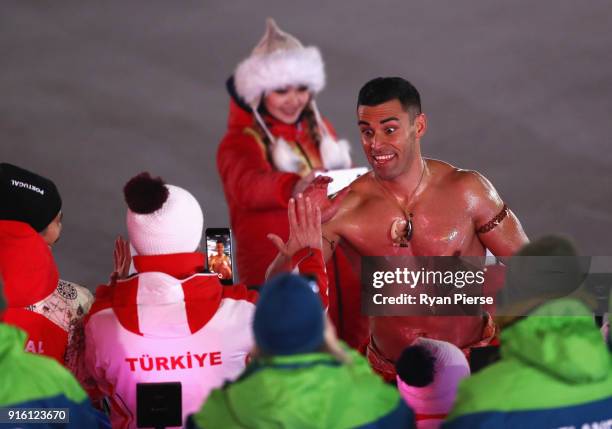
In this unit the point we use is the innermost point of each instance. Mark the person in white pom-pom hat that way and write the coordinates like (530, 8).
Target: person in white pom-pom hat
(171, 321)
(276, 140)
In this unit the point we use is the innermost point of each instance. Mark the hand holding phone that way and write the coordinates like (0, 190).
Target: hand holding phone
(219, 253)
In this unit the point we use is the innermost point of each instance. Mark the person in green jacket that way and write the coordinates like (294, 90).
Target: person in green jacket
(301, 376)
(555, 371)
(29, 381)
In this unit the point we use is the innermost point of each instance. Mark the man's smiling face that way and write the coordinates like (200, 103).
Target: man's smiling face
(389, 137)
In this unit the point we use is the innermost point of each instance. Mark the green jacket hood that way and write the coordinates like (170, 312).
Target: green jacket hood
(559, 338)
(307, 391)
(12, 340)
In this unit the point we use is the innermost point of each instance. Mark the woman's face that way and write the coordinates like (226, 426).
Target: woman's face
(286, 104)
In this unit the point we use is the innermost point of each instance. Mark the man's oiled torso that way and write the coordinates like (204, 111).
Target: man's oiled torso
(443, 225)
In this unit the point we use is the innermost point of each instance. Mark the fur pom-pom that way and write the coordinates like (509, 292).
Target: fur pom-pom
(285, 159)
(145, 194)
(335, 154)
(416, 366)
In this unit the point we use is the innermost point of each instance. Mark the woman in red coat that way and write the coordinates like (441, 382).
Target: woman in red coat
(276, 140)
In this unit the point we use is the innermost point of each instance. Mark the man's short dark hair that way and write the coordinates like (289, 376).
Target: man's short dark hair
(383, 89)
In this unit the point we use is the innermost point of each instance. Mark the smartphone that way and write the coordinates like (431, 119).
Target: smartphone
(159, 405)
(219, 255)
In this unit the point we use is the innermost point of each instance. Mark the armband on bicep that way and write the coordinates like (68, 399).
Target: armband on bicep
(492, 224)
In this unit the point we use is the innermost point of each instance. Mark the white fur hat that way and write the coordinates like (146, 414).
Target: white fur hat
(161, 218)
(278, 60)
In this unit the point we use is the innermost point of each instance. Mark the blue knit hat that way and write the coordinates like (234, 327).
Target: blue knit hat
(289, 317)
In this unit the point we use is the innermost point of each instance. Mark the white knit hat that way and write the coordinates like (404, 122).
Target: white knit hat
(161, 218)
(277, 61)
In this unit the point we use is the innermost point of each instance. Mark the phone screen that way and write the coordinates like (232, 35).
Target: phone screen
(219, 253)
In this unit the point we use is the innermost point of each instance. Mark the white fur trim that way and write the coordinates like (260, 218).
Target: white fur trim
(335, 154)
(261, 73)
(285, 159)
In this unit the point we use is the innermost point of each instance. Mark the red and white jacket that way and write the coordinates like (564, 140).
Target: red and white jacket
(171, 323)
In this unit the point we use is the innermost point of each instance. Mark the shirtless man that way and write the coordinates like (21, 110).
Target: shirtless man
(220, 263)
(410, 205)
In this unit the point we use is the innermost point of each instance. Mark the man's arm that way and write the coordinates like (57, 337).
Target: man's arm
(496, 226)
(331, 239)
(332, 209)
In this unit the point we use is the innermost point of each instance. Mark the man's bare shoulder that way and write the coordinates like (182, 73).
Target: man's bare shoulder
(363, 184)
(469, 183)
(358, 191)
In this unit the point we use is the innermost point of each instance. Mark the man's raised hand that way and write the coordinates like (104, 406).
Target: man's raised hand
(317, 192)
(303, 183)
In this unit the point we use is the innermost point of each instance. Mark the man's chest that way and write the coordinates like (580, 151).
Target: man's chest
(433, 226)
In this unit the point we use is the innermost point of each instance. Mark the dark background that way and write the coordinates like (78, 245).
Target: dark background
(92, 93)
